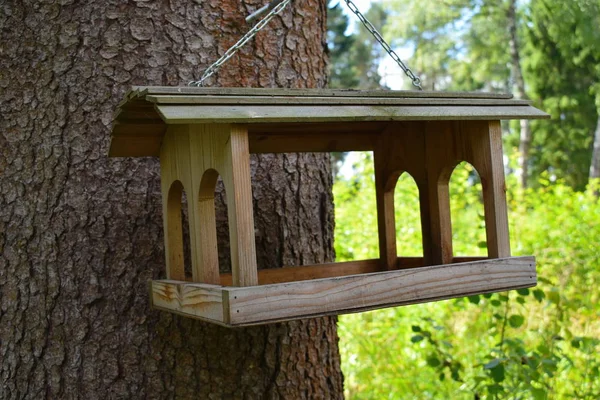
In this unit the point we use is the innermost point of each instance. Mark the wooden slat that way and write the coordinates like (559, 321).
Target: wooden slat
(251, 305)
(330, 270)
(270, 303)
(134, 146)
(311, 142)
(140, 91)
(343, 100)
(318, 271)
(181, 114)
(199, 301)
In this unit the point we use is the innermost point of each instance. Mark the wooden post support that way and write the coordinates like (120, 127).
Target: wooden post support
(480, 143)
(194, 155)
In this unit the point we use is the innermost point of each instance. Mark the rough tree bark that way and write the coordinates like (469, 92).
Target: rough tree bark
(80, 234)
(517, 73)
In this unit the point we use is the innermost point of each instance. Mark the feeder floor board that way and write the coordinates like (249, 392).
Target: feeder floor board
(255, 305)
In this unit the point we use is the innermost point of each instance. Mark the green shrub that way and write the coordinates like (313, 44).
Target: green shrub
(539, 343)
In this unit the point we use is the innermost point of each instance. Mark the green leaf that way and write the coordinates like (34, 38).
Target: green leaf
(494, 389)
(416, 328)
(433, 361)
(494, 363)
(474, 299)
(516, 320)
(538, 394)
(442, 376)
(495, 303)
(539, 295)
(523, 292)
(416, 338)
(482, 245)
(498, 373)
(520, 300)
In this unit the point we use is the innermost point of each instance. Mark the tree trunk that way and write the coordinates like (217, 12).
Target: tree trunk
(517, 73)
(81, 234)
(595, 166)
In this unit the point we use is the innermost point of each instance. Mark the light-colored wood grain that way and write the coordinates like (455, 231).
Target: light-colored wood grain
(252, 305)
(236, 176)
(330, 270)
(195, 155)
(186, 114)
(343, 100)
(198, 301)
(310, 298)
(142, 91)
(318, 271)
(269, 303)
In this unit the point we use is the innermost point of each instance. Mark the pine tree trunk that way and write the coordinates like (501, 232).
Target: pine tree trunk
(81, 234)
(517, 73)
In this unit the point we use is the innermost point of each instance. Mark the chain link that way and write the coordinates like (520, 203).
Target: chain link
(208, 72)
(416, 81)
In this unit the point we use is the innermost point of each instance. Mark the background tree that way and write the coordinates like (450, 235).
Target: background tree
(80, 234)
(354, 53)
(562, 58)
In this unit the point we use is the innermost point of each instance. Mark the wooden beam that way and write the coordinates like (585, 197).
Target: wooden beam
(330, 270)
(142, 91)
(184, 114)
(342, 100)
(199, 301)
(251, 305)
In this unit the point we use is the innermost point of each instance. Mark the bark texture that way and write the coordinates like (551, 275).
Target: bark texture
(80, 234)
(517, 73)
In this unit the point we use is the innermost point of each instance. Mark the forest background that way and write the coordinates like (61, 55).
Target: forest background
(542, 343)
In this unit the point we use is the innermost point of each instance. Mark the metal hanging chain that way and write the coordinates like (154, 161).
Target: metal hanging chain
(240, 43)
(416, 81)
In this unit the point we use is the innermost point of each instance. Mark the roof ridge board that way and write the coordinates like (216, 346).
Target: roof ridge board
(269, 92)
(324, 100)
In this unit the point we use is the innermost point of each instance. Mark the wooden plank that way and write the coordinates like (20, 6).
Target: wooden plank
(271, 303)
(236, 177)
(385, 183)
(289, 100)
(139, 91)
(330, 270)
(310, 142)
(134, 146)
(442, 153)
(201, 301)
(139, 130)
(306, 272)
(483, 149)
(182, 114)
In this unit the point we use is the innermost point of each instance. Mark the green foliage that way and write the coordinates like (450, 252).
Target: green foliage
(562, 59)
(538, 343)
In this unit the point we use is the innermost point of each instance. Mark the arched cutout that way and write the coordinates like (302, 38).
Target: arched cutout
(409, 238)
(207, 243)
(178, 242)
(467, 211)
(222, 226)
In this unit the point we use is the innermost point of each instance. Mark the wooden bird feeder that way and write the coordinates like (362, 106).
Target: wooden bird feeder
(201, 133)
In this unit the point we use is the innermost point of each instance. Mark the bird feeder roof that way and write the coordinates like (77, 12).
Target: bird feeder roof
(143, 116)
